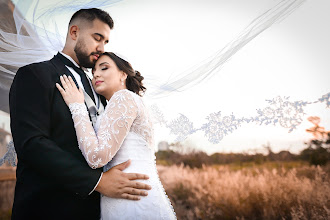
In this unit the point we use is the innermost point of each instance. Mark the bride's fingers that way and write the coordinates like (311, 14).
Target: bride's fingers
(62, 91)
(70, 87)
(72, 82)
(67, 81)
(64, 84)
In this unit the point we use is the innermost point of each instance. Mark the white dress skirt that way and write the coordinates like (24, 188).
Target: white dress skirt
(154, 206)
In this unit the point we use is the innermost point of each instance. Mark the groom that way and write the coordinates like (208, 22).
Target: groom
(53, 179)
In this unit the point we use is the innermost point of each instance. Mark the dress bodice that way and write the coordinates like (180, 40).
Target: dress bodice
(124, 113)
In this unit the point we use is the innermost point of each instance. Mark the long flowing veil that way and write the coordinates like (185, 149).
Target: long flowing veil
(30, 34)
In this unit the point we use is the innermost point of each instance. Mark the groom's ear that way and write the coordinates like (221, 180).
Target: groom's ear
(73, 32)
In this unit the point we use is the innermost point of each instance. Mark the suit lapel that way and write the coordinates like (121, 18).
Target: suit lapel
(103, 100)
(62, 69)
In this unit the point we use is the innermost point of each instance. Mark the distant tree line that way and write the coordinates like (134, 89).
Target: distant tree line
(318, 148)
(316, 153)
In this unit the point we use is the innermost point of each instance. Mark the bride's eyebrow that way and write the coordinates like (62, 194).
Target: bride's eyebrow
(103, 63)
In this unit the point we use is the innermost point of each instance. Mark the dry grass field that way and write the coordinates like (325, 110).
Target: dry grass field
(249, 193)
(7, 173)
(7, 187)
(265, 191)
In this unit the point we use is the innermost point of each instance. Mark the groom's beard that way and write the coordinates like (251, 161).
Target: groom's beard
(83, 56)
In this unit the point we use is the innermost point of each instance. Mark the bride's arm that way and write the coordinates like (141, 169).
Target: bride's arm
(98, 149)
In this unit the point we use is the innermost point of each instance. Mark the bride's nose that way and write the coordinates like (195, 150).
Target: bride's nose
(96, 74)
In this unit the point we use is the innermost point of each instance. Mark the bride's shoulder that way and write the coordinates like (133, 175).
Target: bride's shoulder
(127, 93)
(125, 97)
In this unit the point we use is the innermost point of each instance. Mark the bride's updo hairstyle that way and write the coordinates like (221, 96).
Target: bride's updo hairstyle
(134, 78)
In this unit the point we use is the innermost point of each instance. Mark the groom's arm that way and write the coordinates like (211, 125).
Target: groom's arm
(30, 109)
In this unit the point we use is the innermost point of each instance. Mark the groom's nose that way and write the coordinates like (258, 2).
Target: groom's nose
(100, 47)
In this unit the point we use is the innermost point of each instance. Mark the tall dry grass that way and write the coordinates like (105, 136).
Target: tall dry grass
(7, 188)
(249, 193)
(226, 192)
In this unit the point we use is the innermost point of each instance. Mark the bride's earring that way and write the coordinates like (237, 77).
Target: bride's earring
(122, 82)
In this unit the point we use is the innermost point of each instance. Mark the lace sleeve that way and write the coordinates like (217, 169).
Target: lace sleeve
(98, 149)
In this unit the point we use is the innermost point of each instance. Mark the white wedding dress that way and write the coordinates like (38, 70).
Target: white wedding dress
(123, 131)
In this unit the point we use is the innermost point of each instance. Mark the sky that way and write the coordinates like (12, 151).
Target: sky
(164, 39)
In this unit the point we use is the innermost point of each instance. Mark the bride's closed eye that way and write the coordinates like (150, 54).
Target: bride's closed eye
(104, 68)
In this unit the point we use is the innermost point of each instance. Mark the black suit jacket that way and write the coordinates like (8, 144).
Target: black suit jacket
(53, 178)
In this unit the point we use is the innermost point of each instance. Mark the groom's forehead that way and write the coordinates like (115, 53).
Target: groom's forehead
(99, 28)
(95, 25)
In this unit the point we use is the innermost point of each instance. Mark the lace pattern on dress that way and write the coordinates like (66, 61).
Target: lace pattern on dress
(143, 125)
(125, 112)
(99, 148)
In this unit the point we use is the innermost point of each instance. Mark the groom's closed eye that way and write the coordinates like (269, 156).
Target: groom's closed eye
(97, 37)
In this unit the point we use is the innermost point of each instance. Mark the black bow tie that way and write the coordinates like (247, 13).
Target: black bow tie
(81, 73)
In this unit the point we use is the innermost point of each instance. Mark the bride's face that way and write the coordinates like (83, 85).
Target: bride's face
(107, 78)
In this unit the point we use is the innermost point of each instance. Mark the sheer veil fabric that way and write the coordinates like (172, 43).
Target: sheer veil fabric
(31, 34)
(31, 40)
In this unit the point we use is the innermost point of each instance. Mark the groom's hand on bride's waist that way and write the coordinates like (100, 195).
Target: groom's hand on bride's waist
(117, 184)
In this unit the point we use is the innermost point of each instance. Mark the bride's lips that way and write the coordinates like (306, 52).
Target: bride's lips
(98, 82)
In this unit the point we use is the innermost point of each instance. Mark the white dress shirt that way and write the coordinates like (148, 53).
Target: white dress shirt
(78, 79)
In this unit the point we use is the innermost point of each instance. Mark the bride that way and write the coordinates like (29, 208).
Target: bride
(123, 131)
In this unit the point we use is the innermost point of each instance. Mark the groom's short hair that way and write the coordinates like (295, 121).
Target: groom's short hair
(90, 14)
